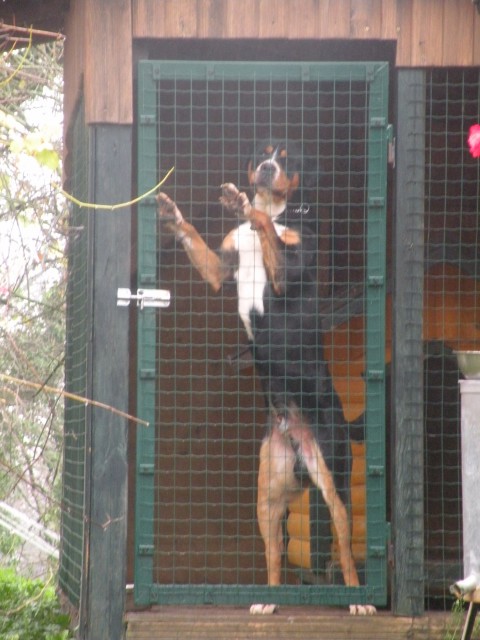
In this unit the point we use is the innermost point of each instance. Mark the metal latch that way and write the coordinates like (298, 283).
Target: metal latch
(144, 297)
(391, 146)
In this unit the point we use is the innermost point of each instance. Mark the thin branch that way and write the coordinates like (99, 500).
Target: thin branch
(35, 486)
(72, 396)
(22, 62)
(8, 28)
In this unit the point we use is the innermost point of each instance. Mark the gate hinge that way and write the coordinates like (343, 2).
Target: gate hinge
(146, 549)
(144, 297)
(376, 470)
(375, 375)
(376, 551)
(391, 146)
(375, 281)
(148, 118)
(378, 122)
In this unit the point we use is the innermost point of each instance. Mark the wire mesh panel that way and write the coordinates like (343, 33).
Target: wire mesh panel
(197, 538)
(77, 330)
(452, 307)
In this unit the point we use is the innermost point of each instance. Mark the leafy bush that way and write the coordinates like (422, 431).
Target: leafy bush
(33, 235)
(29, 610)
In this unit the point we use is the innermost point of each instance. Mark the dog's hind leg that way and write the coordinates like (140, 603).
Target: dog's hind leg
(321, 476)
(276, 481)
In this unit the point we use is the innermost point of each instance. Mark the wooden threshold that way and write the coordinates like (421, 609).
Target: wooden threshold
(302, 623)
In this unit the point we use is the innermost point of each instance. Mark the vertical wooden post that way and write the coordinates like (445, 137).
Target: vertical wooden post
(407, 391)
(103, 587)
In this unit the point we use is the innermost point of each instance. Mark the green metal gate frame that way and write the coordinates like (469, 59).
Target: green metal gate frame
(375, 74)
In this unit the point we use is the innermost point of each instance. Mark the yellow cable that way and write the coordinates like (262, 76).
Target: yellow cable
(112, 207)
(22, 62)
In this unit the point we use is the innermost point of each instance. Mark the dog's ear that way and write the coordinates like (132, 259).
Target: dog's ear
(294, 184)
(303, 164)
(312, 174)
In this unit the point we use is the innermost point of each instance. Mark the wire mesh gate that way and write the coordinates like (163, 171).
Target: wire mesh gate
(78, 330)
(195, 525)
(451, 308)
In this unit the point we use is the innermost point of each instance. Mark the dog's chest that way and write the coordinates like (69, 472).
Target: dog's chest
(251, 275)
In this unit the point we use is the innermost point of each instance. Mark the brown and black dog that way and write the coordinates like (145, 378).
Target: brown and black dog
(272, 256)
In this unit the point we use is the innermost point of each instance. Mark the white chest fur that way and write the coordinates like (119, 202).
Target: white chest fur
(251, 275)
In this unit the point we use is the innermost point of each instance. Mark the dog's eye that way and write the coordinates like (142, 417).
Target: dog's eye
(262, 157)
(279, 154)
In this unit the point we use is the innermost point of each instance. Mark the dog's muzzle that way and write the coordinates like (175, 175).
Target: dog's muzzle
(266, 173)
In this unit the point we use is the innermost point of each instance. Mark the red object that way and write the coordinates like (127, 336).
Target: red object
(474, 140)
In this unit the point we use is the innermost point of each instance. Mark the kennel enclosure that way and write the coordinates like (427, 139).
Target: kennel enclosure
(196, 536)
(433, 53)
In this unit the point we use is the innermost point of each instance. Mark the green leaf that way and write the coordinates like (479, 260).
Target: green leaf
(47, 158)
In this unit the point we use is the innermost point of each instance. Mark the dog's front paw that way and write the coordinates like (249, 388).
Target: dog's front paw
(234, 200)
(168, 210)
(362, 610)
(263, 609)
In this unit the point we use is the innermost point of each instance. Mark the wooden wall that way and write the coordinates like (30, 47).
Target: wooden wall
(98, 60)
(100, 36)
(429, 32)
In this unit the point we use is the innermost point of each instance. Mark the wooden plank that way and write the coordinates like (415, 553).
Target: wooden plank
(476, 39)
(457, 37)
(242, 18)
(148, 18)
(334, 19)
(211, 18)
(389, 29)
(108, 62)
(451, 303)
(427, 32)
(74, 64)
(181, 18)
(103, 594)
(294, 623)
(303, 21)
(404, 33)
(366, 18)
(407, 363)
(272, 18)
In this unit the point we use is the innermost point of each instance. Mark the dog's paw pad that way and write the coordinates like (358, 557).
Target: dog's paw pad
(167, 208)
(362, 610)
(229, 190)
(235, 200)
(229, 195)
(263, 609)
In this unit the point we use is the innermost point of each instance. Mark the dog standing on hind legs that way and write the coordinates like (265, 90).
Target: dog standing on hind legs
(272, 256)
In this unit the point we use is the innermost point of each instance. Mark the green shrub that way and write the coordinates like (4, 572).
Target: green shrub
(29, 610)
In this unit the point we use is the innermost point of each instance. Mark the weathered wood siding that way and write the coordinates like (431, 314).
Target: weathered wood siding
(428, 32)
(100, 36)
(74, 63)
(295, 623)
(98, 59)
